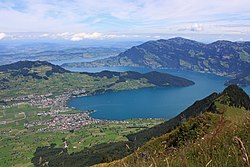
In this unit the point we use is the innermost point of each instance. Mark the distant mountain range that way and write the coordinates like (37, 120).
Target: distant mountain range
(57, 53)
(223, 58)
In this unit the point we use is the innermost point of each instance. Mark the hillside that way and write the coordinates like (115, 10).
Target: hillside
(221, 57)
(35, 69)
(242, 79)
(217, 138)
(40, 77)
(156, 78)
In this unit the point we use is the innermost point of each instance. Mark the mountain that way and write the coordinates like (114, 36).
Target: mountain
(212, 122)
(25, 77)
(221, 57)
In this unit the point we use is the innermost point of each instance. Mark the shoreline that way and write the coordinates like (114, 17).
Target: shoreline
(62, 116)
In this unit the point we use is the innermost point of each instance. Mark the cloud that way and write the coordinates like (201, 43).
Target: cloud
(82, 36)
(157, 36)
(64, 35)
(44, 35)
(124, 17)
(2, 35)
(112, 36)
(194, 27)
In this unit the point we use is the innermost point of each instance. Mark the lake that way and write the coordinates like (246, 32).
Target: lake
(163, 102)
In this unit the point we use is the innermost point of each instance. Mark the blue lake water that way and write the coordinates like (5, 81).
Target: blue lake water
(163, 102)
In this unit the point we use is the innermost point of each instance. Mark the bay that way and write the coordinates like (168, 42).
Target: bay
(162, 102)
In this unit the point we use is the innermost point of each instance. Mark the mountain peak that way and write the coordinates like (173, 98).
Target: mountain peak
(178, 38)
(175, 39)
(222, 42)
(182, 40)
(235, 96)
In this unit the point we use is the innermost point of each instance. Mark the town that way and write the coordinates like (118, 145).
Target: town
(61, 117)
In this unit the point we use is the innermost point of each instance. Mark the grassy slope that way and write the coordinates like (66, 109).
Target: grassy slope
(209, 139)
(37, 77)
(60, 83)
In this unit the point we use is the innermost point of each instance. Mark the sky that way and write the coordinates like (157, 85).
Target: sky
(77, 20)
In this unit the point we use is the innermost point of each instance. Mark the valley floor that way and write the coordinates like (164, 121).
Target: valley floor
(18, 144)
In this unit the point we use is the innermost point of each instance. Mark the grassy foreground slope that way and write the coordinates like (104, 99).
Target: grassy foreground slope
(220, 138)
